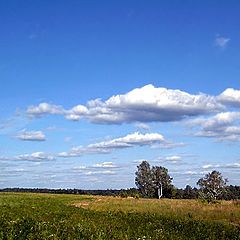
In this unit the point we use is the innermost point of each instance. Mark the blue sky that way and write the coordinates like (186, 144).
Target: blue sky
(89, 89)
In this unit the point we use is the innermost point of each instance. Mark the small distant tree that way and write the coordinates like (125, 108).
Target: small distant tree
(154, 181)
(212, 185)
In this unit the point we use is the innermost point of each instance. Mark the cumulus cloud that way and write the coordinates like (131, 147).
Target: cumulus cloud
(223, 126)
(146, 104)
(45, 108)
(230, 97)
(221, 42)
(35, 157)
(76, 113)
(129, 141)
(31, 136)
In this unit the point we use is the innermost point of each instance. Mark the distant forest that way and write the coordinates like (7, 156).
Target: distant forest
(231, 192)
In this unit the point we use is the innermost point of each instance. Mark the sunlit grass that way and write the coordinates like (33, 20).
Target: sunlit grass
(48, 216)
(225, 211)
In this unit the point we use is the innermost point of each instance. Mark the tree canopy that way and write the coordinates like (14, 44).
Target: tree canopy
(212, 185)
(150, 180)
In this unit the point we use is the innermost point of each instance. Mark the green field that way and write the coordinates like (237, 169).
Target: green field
(47, 216)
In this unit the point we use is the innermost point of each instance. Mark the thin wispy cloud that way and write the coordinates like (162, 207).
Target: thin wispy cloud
(105, 165)
(142, 126)
(170, 159)
(222, 42)
(103, 168)
(235, 165)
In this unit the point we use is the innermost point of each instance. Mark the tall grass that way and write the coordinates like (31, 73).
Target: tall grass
(222, 211)
(45, 216)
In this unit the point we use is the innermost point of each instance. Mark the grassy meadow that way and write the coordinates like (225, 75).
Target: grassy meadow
(51, 216)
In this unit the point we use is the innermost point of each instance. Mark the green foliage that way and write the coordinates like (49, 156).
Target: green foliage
(149, 180)
(123, 194)
(212, 185)
(144, 179)
(206, 197)
(44, 216)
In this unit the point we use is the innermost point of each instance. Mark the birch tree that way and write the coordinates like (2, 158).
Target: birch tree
(212, 185)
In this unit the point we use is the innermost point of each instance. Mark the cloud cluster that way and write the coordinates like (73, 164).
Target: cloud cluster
(146, 104)
(35, 157)
(128, 141)
(31, 136)
(153, 104)
(222, 126)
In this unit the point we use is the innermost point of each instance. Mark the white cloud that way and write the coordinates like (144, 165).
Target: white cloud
(143, 126)
(35, 157)
(169, 145)
(45, 108)
(173, 158)
(146, 104)
(221, 42)
(104, 168)
(232, 165)
(105, 172)
(163, 159)
(223, 126)
(129, 141)
(31, 136)
(105, 165)
(138, 161)
(76, 113)
(228, 165)
(169, 159)
(149, 104)
(230, 97)
(190, 172)
(207, 166)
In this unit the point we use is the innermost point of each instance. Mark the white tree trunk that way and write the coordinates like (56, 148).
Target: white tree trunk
(160, 191)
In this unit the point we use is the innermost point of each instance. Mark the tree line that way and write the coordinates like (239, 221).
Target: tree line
(151, 181)
(104, 192)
